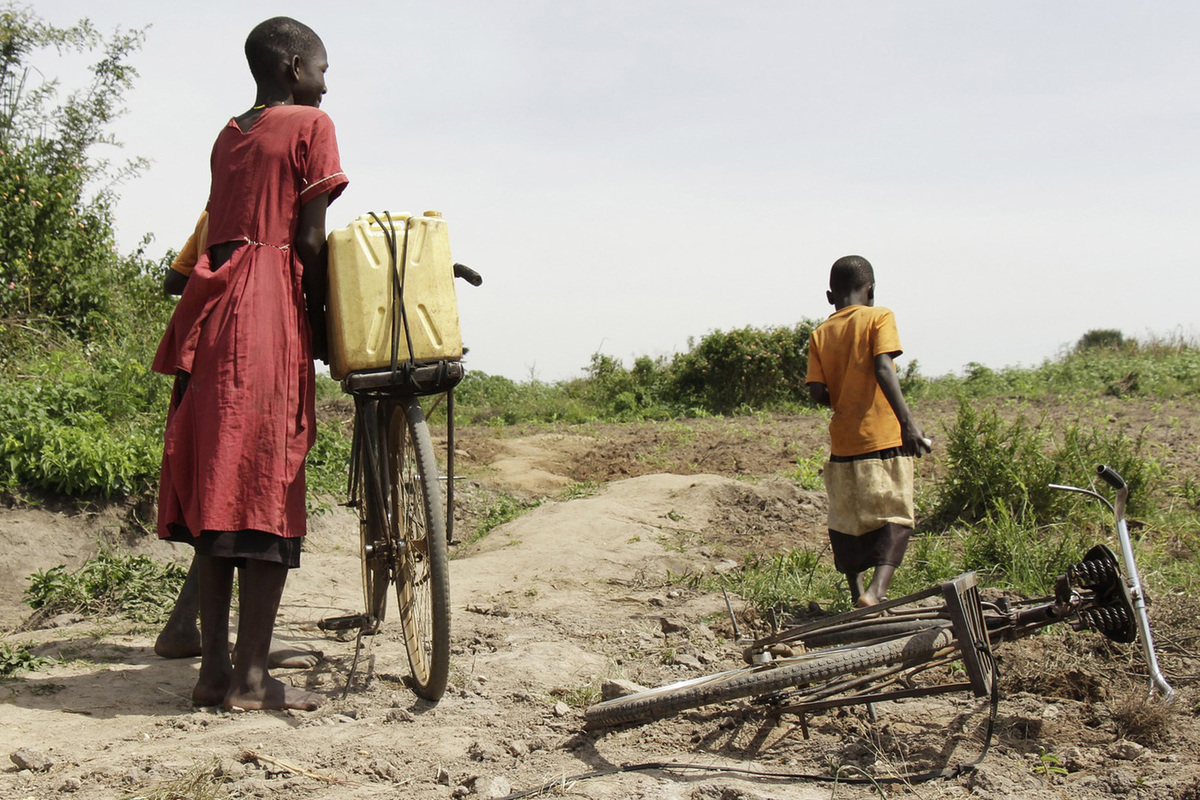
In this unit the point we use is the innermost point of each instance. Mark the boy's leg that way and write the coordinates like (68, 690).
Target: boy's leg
(880, 581)
(251, 686)
(180, 637)
(855, 579)
(214, 580)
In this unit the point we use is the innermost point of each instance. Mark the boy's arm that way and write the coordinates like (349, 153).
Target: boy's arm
(174, 282)
(914, 441)
(819, 393)
(311, 249)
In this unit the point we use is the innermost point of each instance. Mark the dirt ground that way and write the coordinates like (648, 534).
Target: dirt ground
(582, 588)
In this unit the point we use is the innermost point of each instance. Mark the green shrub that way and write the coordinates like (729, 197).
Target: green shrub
(19, 659)
(327, 469)
(135, 587)
(990, 464)
(747, 367)
(1007, 552)
(1109, 338)
(993, 465)
(786, 581)
(78, 423)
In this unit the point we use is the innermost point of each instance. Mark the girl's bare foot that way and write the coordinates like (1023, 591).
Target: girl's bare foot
(210, 691)
(273, 694)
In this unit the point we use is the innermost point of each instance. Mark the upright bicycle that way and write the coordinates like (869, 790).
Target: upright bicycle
(405, 521)
(882, 652)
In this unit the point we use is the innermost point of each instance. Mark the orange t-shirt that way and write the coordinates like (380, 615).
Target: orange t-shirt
(185, 262)
(841, 355)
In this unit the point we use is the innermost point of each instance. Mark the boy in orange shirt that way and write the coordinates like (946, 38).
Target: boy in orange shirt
(873, 436)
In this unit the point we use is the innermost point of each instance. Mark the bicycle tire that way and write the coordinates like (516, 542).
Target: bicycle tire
(375, 533)
(421, 569)
(821, 666)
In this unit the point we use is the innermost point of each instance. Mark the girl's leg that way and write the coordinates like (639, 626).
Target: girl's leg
(214, 581)
(251, 686)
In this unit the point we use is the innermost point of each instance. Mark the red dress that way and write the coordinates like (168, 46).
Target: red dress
(234, 447)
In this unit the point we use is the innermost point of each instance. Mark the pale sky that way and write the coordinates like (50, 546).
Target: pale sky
(627, 175)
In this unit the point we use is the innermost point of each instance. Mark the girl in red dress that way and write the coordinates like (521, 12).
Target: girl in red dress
(241, 346)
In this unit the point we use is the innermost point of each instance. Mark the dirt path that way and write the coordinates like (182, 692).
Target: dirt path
(545, 608)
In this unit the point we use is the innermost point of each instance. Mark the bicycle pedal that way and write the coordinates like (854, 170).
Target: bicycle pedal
(346, 623)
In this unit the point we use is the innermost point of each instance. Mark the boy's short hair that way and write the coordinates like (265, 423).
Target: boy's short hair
(277, 39)
(849, 273)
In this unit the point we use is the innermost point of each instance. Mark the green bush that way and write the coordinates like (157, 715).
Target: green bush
(19, 659)
(135, 587)
(1002, 468)
(747, 367)
(82, 424)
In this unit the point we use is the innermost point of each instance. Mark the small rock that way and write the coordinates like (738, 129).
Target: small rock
(561, 709)
(619, 687)
(399, 715)
(725, 565)
(658, 602)
(482, 751)
(687, 660)
(32, 759)
(1119, 782)
(517, 748)
(1073, 759)
(671, 625)
(1125, 750)
(443, 776)
(70, 785)
(493, 786)
(674, 594)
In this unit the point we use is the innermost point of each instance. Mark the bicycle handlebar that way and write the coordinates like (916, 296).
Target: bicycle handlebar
(467, 274)
(1110, 476)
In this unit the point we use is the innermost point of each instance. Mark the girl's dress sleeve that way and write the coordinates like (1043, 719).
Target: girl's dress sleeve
(322, 167)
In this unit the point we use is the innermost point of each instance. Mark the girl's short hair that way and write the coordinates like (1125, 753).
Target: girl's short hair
(277, 39)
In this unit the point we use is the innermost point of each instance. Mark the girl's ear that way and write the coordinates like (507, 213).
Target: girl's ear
(293, 69)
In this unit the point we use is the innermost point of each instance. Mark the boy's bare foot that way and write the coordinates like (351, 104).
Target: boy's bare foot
(272, 695)
(866, 600)
(178, 641)
(293, 657)
(184, 642)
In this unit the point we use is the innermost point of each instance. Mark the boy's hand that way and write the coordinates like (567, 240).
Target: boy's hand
(916, 443)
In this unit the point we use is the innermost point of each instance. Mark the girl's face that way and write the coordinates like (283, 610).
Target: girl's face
(310, 78)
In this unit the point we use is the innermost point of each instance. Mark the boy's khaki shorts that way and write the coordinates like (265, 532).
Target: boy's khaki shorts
(867, 493)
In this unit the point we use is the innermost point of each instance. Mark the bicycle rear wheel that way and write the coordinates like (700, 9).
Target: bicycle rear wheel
(823, 666)
(421, 570)
(369, 492)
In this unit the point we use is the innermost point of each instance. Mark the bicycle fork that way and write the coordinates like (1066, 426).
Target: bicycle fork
(1132, 581)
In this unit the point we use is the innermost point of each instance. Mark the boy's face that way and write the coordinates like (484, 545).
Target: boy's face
(310, 77)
